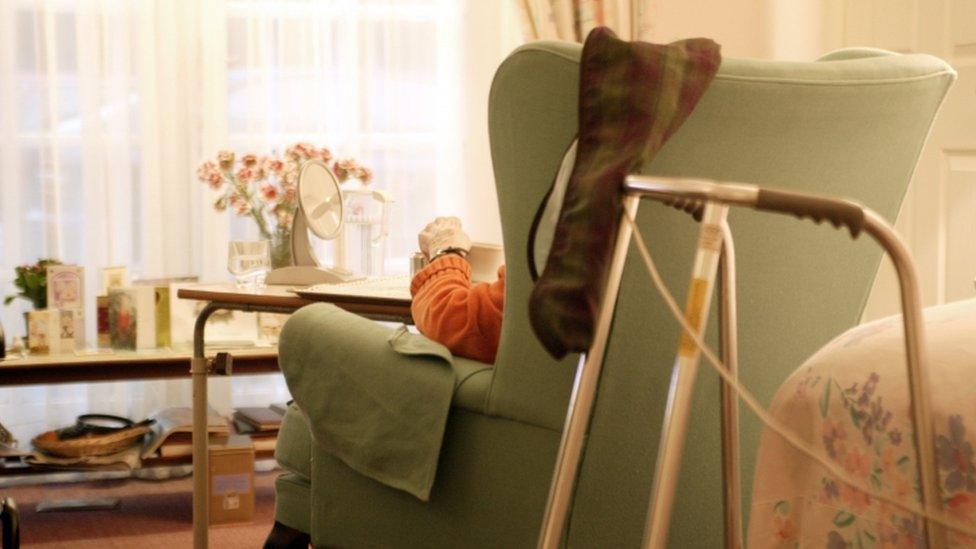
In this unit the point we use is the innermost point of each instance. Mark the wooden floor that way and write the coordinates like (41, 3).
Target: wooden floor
(152, 514)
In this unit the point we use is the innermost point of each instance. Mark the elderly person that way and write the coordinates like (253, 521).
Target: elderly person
(464, 317)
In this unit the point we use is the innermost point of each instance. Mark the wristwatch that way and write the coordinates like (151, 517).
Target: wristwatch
(449, 250)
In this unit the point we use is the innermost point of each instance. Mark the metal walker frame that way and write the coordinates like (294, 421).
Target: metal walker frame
(711, 201)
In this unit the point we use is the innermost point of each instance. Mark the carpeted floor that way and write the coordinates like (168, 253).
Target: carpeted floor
(152, 514)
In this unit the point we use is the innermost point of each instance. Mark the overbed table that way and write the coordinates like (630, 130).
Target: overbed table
(272, 299)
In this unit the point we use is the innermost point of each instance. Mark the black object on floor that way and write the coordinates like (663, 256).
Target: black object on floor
(10, 524)
(286, 537)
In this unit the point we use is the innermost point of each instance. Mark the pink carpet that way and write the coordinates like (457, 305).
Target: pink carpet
(152, 514)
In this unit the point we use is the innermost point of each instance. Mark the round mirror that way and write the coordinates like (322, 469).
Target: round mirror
(320, 199)
(320, 211)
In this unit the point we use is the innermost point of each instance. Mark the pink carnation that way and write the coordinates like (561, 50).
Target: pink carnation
(269, 192)
(225, 159)
(285, 218)
(271, 164)
(240, 205)
(363, 174)
(221, 204)
(205, 169)
(344, 168)
(216, 180)
(249, 160)
(289, 177)
(300, 151)
(306, 149)
(245, 175)
(290, 192)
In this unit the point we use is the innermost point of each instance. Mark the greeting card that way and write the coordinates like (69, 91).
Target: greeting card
(132, 317)
(70, 330)
(104, 338)
(39, 330)
(114, 277)
(65, 287)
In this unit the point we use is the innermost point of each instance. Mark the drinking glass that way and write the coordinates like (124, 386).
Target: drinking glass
(249, 261)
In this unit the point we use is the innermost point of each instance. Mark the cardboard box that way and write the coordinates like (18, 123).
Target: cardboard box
(231, 479)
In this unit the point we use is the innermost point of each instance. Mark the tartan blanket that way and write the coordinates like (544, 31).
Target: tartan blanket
(633, 96)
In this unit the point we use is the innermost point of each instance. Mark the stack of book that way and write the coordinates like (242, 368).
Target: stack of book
(261, 424)
(171, 437)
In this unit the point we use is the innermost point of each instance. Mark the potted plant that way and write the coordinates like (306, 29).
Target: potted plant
(31, 283)
(265, 188)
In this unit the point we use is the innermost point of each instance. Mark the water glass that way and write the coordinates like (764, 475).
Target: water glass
(249, 261)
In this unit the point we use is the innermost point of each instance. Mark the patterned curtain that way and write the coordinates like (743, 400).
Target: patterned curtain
(572, 20)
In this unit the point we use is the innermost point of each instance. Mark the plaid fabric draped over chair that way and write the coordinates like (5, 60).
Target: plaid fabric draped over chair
(633, 97)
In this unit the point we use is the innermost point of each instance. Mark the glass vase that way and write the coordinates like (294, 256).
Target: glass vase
(281, 249)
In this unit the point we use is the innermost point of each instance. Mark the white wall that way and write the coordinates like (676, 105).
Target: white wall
(792, 30)
(738, 25)
(742, 27)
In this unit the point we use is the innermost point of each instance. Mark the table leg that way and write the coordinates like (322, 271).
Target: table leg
(199, 369)
(198, 373)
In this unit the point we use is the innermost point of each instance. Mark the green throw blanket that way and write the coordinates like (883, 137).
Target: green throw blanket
(375, 398)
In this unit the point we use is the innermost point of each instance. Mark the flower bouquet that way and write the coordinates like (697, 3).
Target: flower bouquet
(265, 188)
(31, 283)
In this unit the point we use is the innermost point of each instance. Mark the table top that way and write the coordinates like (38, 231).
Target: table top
(117, 365)
(377, 307)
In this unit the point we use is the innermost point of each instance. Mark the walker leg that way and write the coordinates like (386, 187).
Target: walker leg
(584, 394)
(918, 378)
(683, 376)
(728, 329)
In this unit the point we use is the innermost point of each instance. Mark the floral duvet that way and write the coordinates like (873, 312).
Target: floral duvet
(851, 401)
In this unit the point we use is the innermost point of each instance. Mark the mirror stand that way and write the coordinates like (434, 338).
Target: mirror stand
(306, 270)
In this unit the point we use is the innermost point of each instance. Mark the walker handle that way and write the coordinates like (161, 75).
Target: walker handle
(693, 206)
(839, 212)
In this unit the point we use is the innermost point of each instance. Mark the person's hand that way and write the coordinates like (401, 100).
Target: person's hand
(443, 233)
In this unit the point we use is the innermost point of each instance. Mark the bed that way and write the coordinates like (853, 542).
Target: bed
(850, 400)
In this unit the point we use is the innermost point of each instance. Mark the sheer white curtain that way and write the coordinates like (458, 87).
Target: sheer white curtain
(572, 20)
(371, 79)
(107, 107)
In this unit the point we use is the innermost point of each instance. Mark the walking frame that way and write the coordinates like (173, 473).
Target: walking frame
(711, 201)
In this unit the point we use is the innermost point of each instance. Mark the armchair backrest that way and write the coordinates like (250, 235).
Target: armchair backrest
(851, 124)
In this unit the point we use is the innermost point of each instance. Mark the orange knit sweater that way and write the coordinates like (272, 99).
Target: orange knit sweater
(464, 317)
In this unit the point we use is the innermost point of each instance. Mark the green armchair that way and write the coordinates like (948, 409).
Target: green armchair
(851, 124)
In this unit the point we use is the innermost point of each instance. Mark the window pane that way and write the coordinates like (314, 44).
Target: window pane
(399, 80)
